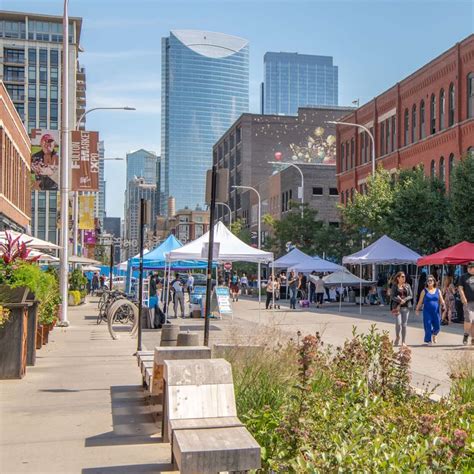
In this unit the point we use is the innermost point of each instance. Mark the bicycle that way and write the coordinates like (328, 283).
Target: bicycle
(106, 299)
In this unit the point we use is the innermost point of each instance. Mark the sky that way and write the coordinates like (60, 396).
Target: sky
(375, 44)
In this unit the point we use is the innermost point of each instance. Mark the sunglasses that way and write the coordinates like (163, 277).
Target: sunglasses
(430, 279)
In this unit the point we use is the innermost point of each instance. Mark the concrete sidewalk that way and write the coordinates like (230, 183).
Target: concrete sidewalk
(81, 408)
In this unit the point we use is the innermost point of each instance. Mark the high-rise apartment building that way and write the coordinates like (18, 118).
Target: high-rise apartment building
(205, 88)
(31, 68)
(293, 80)
(138, 189)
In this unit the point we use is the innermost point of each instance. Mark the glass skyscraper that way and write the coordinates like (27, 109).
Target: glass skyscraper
(205, 88)
(293, 80)
(141, 164)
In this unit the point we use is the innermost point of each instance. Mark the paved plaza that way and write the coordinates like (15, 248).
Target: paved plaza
(81, 409)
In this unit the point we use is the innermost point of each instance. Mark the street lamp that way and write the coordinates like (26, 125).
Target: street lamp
(302, 180)
(259, 233)
(333, 122)
(76, 193)
(230, 212)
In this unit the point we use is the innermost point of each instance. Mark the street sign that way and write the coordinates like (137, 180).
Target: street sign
(228, 266)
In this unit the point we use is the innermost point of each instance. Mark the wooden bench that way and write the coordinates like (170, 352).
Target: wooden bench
(201, 418)
(170, 353)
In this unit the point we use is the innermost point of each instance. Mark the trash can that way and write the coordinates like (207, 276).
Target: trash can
(352, 296)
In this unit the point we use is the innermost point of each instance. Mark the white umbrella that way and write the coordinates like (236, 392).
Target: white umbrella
(31, 242)
(90, 268)
(84, 260)
(43, 257)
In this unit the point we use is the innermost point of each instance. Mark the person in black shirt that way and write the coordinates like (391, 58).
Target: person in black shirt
(466, 292)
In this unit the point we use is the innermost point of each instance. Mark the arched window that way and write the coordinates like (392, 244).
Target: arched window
(413, 124)
(470, 95)
(352, 153)
(422, 120)
(442, 106)
(451, 105)
(451, 167)
(441, 169)
(433, 114)
(347, 156)
(433, 169)
(406, 127)
(342, 157)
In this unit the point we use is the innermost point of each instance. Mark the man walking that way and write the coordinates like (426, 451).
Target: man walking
(178, 296)
(466, 292)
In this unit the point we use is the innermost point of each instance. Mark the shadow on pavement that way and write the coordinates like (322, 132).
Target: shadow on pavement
(130, 469)
(132, 422)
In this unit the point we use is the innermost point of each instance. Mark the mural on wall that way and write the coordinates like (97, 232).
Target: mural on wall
(318, 149)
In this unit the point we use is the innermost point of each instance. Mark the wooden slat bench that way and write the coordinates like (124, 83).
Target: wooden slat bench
(201, 418)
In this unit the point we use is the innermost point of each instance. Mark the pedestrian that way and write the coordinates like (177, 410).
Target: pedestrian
(401, 297)
(312, 286)
(449, 292)
(432, 301)
(235, 286)
(177, 287)
(244, 283)
(293, 289)
(190, 284)
(102, 281)
(466, 292)
(95, 282)
(381, 280)
(302, 286)
(319, 292)
(271, 286)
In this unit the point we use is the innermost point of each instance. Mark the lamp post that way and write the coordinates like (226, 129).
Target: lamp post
(259, 242)
(366, 130)
(76, 193)
(230, 212)
(64, 168)
(302, 180)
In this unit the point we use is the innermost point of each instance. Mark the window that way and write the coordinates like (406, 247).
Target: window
(441, 169)
(347, 156)
(333, 192)
(352, 153)
(14, 73)
(413, 124)
(451, 105)
(382, 138)
(387, 136)
(17, 92)
(470, 95)
(342, 156)
(406, 126)
(422, 120)
(433, 114)
(54, 57)
(317, 191)
(451, 166)
(442, 105)
(238, 134)
(16, 56)
(433, 169)
(394, 133)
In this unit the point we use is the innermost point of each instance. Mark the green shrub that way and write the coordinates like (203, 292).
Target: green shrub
(76, 295)
(350, 409)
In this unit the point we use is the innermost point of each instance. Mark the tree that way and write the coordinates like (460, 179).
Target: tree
(238, 229)
(419, 213)
(461, 193)
(368, 212)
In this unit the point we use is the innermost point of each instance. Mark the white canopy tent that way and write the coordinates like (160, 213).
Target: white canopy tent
(344, 278)
(318, 265)
(384, 251)
(31, 242)
(231, 249)
(293, 257)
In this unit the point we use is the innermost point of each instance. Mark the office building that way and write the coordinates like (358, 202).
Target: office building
(293, 80)
(15, 152)
(255, 140)
(425, 119)
(30, 66)
(138, 189)
(186, 225)
(141, 164)
(205, 88)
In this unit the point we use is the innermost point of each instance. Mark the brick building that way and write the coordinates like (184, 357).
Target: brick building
(186, 225)
(425, 119)
(15, 151)
(254, 140)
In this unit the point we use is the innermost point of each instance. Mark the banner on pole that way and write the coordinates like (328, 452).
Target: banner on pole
(85, 161)
(45, 160)
(86, 212)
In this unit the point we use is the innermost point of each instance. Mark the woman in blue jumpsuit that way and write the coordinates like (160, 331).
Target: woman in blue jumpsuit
(432, 301)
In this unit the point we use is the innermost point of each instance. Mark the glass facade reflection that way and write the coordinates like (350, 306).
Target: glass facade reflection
(205, 88)
(293, 80)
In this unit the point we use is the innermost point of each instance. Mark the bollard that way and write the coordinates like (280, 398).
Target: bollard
(169, 335)
(188, 339)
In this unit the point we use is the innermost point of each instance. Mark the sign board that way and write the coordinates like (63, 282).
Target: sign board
(223, 300)
(228, 266)
(86, 212)
(85, 161)
(215, 250)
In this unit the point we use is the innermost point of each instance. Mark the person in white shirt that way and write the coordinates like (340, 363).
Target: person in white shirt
(178, 296)
(319, 291)
(190, 283)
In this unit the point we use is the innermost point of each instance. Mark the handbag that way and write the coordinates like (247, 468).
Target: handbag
(395, 311)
